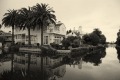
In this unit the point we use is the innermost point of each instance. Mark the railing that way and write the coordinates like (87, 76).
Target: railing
(53, 31)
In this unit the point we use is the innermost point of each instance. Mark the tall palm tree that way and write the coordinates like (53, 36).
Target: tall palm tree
(43, 16)
(0, 26)
(10, 20)
(25, 20)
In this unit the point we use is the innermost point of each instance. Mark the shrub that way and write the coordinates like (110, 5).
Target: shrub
(56, 46)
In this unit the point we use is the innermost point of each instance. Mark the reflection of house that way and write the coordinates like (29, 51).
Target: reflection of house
(52, 33)
(35, 62)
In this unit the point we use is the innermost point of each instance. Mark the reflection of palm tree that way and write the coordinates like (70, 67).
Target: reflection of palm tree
(12, 59)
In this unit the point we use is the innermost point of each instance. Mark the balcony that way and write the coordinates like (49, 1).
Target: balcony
(53, 31)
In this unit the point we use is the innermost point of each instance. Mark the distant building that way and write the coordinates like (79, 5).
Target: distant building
(7, 37)
(52, 33)
(75, 32)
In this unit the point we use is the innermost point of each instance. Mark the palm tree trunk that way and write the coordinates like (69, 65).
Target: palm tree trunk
(41, 36)
(29, 39)
(13, 35)
(28, 70)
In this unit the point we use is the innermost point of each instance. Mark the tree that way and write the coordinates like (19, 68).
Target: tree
(102, 39)
(97, 32)
(0, 26)
(86, 39)
(26, 21)
(94, 39)
(10, 20)
(71, 41)
(118, 38)
(43, 17)
(68, 31)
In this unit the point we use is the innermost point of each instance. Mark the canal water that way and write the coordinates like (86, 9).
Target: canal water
(100, 65)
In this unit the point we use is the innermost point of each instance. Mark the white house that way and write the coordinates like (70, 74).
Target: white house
(52, 33)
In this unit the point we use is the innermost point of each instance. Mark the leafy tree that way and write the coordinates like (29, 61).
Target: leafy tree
(102, 39)
(97, 32)
(69, 31)
(86, 39)
(10, 20)
(118, 38)
(71, 41)
(94, 39)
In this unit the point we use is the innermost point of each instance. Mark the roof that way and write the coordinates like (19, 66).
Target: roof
(5, 34)
(2, 33)
(59, 24)
(71, 34)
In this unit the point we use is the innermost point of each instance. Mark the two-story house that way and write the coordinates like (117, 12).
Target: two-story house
(52, 33)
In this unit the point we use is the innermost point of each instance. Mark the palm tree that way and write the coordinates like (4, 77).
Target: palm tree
(10, 19)
(43, 16)
(25, 20)
(0, 26)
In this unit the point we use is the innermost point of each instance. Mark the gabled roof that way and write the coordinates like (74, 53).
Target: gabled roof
(58, 24)
(71, 34)
(2, 33)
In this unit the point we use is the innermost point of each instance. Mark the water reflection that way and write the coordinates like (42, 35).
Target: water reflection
(91, 57)
(34, 67)
(95, 57)
(118, 53)
(27, 66)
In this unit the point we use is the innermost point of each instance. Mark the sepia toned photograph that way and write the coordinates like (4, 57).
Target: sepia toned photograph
(59, 39)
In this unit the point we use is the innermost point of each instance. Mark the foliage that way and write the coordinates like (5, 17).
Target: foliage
(26, 20)
(118, 38)
(56, 46)
(39, 15)
(10, 19)
(94, 38)
(71, 41)
(69, 31)
(43, 16)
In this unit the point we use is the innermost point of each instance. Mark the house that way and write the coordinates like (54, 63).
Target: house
(6, 37)
(52, 33)
(74, 32)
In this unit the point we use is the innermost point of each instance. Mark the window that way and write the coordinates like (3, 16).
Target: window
(45, 39)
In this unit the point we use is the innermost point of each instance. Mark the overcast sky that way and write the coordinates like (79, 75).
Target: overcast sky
(90, 14)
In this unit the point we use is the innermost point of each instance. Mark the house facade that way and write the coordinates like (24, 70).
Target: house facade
(6, 38)
(52, 33)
